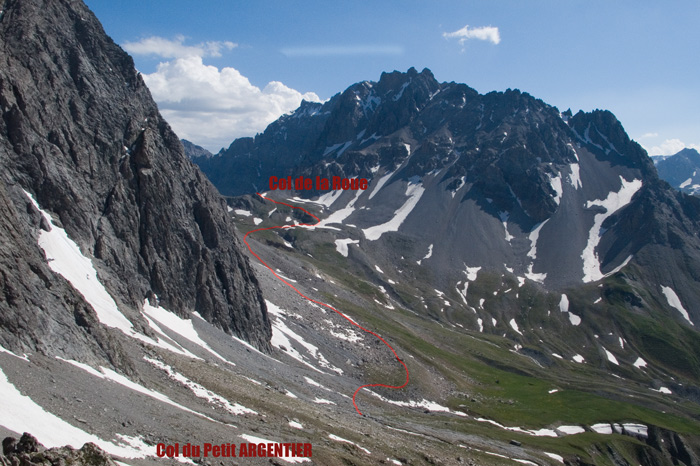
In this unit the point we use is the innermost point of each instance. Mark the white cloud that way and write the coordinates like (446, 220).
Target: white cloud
(649, 135)
(670, 147)
(176, 48)
(212, 106)
(487, 33)
(341, 50)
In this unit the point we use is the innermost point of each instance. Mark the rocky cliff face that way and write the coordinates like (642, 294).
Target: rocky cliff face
(81, 133)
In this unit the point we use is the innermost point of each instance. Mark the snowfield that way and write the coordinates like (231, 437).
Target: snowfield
(614, 202)
(414, 191)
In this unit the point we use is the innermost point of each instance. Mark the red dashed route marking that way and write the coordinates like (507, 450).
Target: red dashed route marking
(282, 227)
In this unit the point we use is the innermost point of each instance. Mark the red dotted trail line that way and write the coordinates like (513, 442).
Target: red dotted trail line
(282, 227)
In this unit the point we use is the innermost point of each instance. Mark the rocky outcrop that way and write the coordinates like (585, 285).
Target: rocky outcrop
(80, 132)
(29, 452)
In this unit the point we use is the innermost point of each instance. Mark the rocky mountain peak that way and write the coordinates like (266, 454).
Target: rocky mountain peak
(604, 133)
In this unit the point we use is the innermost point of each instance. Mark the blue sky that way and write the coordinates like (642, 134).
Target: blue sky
(225, 69)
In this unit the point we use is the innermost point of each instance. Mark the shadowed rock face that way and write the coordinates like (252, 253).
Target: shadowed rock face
(80, 132)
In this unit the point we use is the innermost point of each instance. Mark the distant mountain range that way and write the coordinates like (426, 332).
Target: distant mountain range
(193, 151)
(680, 170)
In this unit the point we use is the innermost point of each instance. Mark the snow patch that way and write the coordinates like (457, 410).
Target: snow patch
(536, 433)
(108, 374)
(414, 191)
(675, 302)
(20, 413)
(380, 184)
(65, 258)
(504, 216)
(295, 425)
(611, 357)
(564, 303)
(514, 325)
(471, 272)
(340, 439)
(423, 404)
(535, 277)
(571, 430)
(575, 176)
(635, 429)
(619, 267)
(602, 428)
(180, 326)
(4, 350)
(555, 183)
(614, 202)
(281, 334)
(341, 245)
(200, 391)
(574, 319)
(640, 363)
(329, 198)
(339, 215)
(427, 256)
(534, 236)
(555, 457)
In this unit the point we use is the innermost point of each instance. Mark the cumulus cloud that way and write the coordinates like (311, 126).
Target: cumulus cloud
(670, 147)
(212, 106)
(176, 48)
(487, 33)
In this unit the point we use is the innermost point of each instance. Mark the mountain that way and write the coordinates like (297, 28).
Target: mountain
(85, 153)
(134, 328)
(680, 170)
(491, 215)
(442, 159)
(192, 151)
